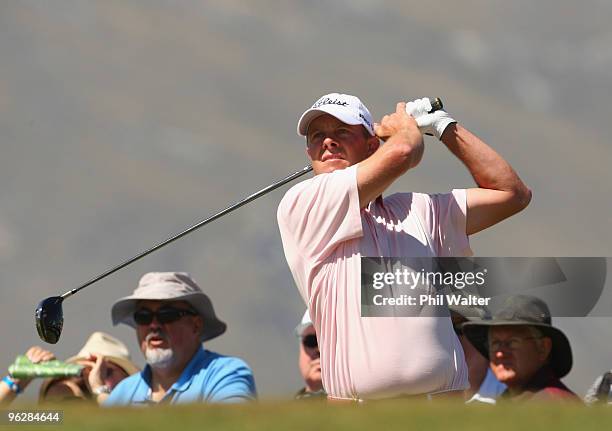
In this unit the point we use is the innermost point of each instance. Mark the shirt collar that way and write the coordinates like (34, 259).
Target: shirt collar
(378, 202)
(183, 382)
(544, 377)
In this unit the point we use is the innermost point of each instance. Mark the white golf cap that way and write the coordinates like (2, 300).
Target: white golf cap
(169, 286)
(346, 108)
(305, 323)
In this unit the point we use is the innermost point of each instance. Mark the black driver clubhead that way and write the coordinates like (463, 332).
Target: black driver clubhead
(50, 319)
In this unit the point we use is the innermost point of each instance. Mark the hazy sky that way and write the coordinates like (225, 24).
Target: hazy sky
(122, 122)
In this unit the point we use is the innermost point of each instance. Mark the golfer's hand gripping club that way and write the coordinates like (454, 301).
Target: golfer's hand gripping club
(430, 117)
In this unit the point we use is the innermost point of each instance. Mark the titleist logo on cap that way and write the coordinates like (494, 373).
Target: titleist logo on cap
(329, 101)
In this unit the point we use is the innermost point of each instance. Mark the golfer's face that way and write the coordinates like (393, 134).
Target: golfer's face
(332, 144)
(179, 335)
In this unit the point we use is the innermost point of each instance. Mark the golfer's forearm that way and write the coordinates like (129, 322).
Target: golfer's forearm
(487, 167)
(388, 163)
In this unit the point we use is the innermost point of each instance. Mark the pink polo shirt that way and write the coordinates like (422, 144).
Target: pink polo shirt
(324, 234)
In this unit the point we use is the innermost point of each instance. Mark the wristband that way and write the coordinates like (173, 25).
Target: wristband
(12, 384)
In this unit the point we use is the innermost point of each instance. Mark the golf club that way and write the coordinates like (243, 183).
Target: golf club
(49, 314)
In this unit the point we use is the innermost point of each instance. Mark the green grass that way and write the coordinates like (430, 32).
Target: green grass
(310, 415)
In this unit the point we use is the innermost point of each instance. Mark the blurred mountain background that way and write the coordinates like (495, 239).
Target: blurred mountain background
(122, 122)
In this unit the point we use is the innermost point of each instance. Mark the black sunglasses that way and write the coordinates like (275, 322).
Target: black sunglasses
(310, 341)
(144, 316)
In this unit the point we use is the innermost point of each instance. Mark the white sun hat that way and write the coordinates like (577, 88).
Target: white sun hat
(170, 286)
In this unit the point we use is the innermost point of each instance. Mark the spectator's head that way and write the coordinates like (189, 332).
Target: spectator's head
(172, 317)
(309, 361)
(119, 366)
(520, 340)
(339, 132)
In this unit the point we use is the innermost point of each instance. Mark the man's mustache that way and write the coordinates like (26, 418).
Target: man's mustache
(158, 334)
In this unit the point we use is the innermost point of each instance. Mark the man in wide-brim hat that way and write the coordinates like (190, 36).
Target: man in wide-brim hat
(172, 317)
(525, 351)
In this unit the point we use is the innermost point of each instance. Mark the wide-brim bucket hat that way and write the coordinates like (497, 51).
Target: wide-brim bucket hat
(170, 286)
(524, 310)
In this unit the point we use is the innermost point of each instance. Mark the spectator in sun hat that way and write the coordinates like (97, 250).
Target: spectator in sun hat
(172, 317)
(484, 387)
(104, 361)
(107, 362)
(309, 360)
(525, 351)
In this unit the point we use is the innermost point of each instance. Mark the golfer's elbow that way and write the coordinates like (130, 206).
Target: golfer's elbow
(416, 154)
(521, 197)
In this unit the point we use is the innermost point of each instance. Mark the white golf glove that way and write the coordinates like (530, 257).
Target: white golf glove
(429, 124)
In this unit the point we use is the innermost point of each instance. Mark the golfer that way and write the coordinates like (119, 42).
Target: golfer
(327, 223)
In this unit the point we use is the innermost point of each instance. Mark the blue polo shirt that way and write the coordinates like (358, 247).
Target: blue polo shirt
(209, 377)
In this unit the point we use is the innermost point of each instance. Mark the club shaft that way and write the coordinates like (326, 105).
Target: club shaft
(436, 104)
(198, 225)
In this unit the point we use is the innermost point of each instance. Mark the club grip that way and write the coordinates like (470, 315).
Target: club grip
(436, 104)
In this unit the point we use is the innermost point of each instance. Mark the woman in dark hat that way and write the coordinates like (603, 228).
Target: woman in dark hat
(525, 351)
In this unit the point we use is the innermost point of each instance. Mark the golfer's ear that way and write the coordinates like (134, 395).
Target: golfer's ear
(373, 144)
(307, 152)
